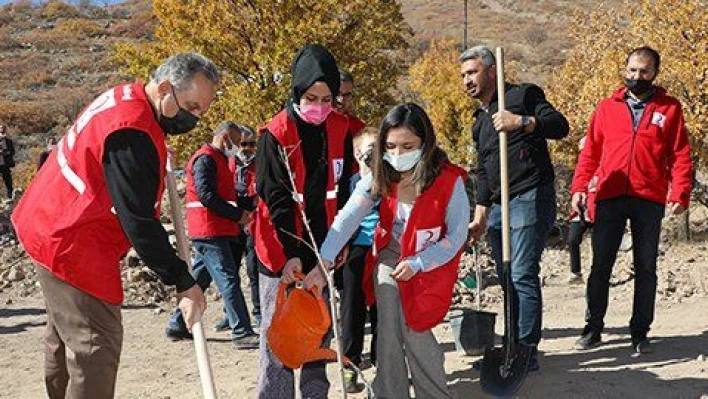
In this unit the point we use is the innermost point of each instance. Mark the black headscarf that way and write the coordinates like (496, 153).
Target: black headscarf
(313, 63)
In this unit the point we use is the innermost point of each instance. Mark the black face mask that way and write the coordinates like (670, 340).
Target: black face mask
(638, 87)
(181, 123)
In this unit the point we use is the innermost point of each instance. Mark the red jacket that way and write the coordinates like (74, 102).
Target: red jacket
(267, 245)
(65, 220)
(426, 297)
(640, 164)
(201, 222)
(356, 125)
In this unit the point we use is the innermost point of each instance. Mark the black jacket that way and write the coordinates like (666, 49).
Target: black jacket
(7, 151)
(529, 161)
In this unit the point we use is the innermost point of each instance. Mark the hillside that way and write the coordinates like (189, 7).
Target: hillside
(56, 57)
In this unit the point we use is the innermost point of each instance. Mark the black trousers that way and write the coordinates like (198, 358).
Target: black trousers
(575, 238)
(645, 224)
(353, 306)
(7, 178)
(252, 272)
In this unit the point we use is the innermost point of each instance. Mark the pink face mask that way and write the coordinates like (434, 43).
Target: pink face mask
(314, 114)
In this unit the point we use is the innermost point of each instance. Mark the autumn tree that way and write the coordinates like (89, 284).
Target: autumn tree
(595, 66)
(253, 43)
(435, 80)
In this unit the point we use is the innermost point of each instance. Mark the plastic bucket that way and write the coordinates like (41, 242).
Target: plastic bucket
(473, 331)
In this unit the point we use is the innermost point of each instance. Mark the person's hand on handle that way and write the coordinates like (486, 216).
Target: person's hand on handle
(579, 202)
(675, 208)
(315, 278)
(291, 266)
(505, 121)
(193, 304)
(478, 225)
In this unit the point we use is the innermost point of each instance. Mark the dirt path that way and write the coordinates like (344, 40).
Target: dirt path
(152, 367)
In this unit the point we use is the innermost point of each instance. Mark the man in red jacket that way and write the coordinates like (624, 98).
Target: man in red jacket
(97, 195)
(637, 146)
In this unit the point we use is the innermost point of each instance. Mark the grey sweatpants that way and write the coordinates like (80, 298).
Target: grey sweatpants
(274, 379)
(397, 343)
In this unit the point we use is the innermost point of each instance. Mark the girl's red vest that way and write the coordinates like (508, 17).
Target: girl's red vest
(426, 297)
(201, 222)
(268, 246)
(65, 220)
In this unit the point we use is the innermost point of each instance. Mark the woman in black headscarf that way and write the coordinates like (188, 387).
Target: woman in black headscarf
(320, 157)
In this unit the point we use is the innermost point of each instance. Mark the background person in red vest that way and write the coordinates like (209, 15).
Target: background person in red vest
(637, 146)
(213, 223)
(244, 170)
(320, 157)
(343, 103)
(417, 247)
(97, 195)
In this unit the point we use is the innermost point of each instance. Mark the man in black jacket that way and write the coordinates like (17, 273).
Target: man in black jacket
(7, 159)
(529, 119)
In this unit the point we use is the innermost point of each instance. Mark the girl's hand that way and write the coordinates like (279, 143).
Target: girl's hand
(403, 271)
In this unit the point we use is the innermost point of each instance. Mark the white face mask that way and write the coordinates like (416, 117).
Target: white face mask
(404, 162)
(245, 158)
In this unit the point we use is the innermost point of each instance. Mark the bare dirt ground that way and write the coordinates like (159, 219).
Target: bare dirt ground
(153, 367)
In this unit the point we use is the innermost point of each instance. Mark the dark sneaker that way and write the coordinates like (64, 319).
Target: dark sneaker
(533, 364)
(588, 341)
(642, 346)
(350, 384)
(533, 361)
(223, 325)
(257, 320)
(178, 335)
(248, 341)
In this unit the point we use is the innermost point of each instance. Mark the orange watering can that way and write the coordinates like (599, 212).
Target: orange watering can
(300, 323)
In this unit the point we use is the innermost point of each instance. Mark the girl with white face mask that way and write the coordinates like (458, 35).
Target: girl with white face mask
(417, 247)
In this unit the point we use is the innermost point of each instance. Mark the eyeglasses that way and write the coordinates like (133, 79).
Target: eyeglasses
(248, 144)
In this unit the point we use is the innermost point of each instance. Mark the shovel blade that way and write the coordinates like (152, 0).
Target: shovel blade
(504, 380)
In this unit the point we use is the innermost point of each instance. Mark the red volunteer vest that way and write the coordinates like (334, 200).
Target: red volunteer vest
(201, 222)
(356, 125)
(65, 220)
(250, 181)
(426, 297)
(268, 246)
(249, 176)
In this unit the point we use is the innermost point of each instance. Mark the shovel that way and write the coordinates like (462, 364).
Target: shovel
(200, 346)
(504, 368)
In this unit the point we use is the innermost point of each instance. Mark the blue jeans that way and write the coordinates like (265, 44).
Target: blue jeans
(215, 259)
(532, 214)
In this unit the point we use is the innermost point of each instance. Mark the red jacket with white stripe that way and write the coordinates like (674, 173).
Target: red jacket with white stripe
(65, 219)
(653, 163)
(201, 222)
